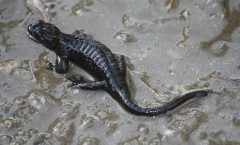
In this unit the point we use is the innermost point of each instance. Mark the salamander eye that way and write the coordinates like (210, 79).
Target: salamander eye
(45, 29)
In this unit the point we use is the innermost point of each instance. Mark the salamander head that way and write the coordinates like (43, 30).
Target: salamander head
(44, 33)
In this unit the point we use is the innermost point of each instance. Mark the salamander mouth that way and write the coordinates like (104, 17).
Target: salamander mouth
(31, 37)
(30, 33)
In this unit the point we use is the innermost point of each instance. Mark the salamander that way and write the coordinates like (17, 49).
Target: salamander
(107, 68)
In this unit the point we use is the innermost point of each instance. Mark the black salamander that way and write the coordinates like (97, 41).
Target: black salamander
(107, 68)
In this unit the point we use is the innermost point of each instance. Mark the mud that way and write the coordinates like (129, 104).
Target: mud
(175, 46)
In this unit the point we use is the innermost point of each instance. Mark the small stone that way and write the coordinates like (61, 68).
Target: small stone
(143, 129)
(125, 37)
(8, 123)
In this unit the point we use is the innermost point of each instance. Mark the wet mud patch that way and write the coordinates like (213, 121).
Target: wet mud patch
(175, 46)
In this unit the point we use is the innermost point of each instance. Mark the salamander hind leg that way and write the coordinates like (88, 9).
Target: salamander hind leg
(121, 61)
(80, 84)
(75, 81)
(95, 85)
(124, 65)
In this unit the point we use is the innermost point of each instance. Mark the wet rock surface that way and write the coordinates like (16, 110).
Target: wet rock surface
(175, 46)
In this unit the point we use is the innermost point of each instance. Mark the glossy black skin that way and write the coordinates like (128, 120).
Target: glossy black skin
(107, 68)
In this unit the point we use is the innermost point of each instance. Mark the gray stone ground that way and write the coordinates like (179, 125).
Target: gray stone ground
(175, 46)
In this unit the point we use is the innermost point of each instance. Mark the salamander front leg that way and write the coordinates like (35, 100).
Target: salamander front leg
(61, 65)
(81, 34)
